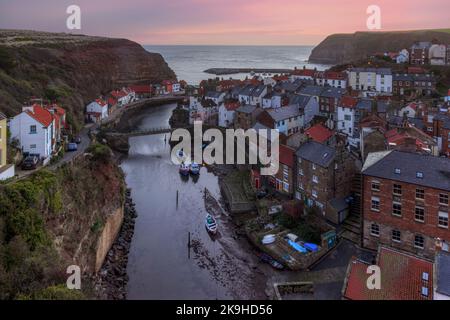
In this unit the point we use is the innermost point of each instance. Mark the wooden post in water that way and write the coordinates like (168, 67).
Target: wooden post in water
(189, 245)
(177, 199)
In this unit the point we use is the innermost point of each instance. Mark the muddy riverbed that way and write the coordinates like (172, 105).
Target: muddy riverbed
(172, 209)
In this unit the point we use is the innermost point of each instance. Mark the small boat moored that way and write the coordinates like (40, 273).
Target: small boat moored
(211, 224)
(184, 169)
(195, 168)
(268, 259)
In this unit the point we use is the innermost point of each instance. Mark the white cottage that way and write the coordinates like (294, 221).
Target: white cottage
(34, 129)
(97, 110)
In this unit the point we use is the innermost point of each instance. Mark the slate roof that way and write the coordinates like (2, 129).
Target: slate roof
(317, 153)
(2, 116)
(213, 94)
(366, 104)
(435, 170)
(246, 109)
(443, 273)
(401, 278)
(312, 90)
(256, 92)
(444, 118)
(412, 77)
(332, 92)
(398, 121)
(247, 90)
(284, 113)
(299, 99)
(385, 71)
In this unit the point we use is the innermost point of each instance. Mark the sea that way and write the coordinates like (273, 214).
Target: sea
(190, 62)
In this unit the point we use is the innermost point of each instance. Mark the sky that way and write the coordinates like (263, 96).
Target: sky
(223, 22)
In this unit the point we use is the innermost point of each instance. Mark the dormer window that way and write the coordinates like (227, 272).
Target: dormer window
(419, 175)
(397, 171)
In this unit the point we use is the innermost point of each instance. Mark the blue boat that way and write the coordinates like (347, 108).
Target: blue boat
(297, 246)
(195, 168)
(311, 247)
(211, 224)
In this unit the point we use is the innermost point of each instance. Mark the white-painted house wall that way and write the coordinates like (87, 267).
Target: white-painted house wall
(226, 117)
(346, 120)
(97, 108)
(35, 143)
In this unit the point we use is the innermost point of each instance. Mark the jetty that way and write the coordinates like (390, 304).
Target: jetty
(226, 71)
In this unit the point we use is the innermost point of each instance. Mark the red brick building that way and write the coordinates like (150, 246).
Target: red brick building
(405, 201)
(441, 130)
(283, 180)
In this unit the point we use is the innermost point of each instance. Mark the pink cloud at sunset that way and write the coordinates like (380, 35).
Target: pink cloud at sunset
(251, 22)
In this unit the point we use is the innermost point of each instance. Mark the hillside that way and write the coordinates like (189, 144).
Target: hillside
(346, 48)
(71, 68)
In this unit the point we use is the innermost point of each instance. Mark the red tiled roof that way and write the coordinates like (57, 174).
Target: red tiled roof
(41, 115)
(141, 88)
(118, 94)
(112, 101)
(334, 75)
(101, 102)
(231, 106)
(304, 72)
(349, 102)
(319, 133)
(287, 155)
(401, 278)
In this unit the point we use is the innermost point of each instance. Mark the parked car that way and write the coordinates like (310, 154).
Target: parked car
(72, 147)
(78, 140)
(30, 163)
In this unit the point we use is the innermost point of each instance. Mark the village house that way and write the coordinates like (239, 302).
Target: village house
(34, 129)
(308, 105)
(283, 180)
(275, 100)
(6, 171)
(287, 120)
(402, 57)
(59, 116)
(377, 80)
(253, 94)
(413, 84)
(123, 96)
(405, 201)
(227, 111)
(245, 116)
(331, 78)
(171, 86)
(371, 130)
(328, 102)
(346, 112)
(216, 96)
(321, 134)
(413, 110)
(420, 52)
(97, 110)
(323, 174)
(442, 272)
(288, 87)
(203, 110)
(410, 139)
(303, 74)
(403, 277)
(142, 91)
(437, 54)
(441, 131)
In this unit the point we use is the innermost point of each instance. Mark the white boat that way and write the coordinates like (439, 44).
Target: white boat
(211, 224)
(268, 239)
(184, 169)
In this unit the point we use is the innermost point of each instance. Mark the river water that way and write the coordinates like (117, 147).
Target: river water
(160, 264)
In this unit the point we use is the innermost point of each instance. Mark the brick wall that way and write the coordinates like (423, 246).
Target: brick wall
(405, 223)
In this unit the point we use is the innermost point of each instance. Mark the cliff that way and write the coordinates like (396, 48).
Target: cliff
(55, 219)
(73, 69)
(347, 48)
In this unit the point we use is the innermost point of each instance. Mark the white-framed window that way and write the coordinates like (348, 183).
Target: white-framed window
(420, 194)
(315, 179)
(315, 194)
(32, 146)
(375, 230)
(300, 186)
(419, 241)
(397, 209)
(397, 189)
(33, 129)
(286, 187)
(443, 219)
(443, 199)
(419, 214)
(375, 205)
(314, 166)
(396, 236)
(300, 171)
(376, 185)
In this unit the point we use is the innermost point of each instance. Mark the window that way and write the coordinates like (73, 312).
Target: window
(419, 241)
(315, 179)
(397, 171)
(33, 130)
(443, 199)
(443, 219)
(397, 209)
(300, 186)
(375, 186)
(420, 214)
(419, 175)
(375, 204)
(32, 146)
(286, 187)
(420, 194)
(375, 230)
(300, 172)
(314, 166)
(397, 189)
(396, 236)
(315, 194)
(285, 173)
(347, 117)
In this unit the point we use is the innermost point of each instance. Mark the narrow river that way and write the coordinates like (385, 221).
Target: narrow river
(160, 264)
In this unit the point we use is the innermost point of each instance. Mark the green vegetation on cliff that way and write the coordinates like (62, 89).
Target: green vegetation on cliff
(52, 220)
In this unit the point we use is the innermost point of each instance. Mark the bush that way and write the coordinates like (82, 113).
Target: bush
(6, 60)
(58, 292)
(100, 152)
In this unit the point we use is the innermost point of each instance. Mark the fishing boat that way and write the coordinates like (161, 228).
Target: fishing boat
(211, 224)
(184, 169)
(268, 259)
(195, 168)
